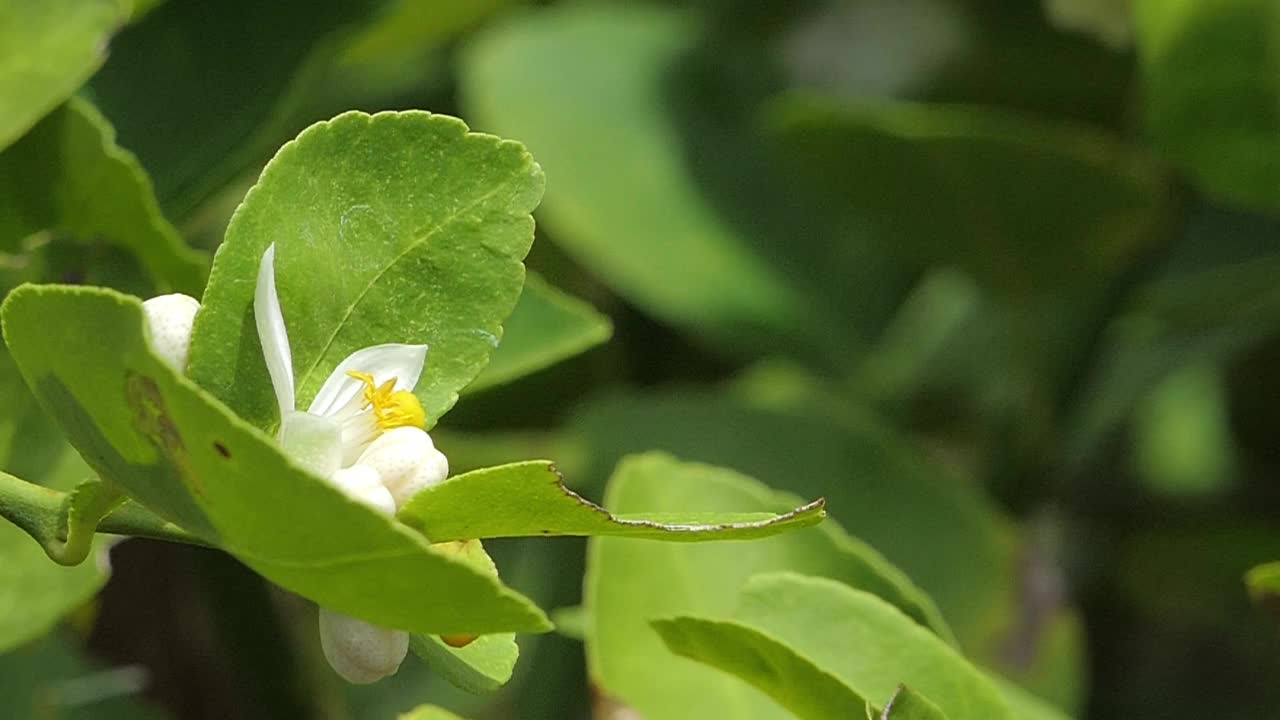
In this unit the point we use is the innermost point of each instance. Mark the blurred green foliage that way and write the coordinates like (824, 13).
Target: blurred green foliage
(995, 278)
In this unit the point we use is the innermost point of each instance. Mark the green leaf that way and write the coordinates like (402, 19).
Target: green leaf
(1022, 205)
(546, 327)
(254, 61)
(583, 87)
(35, 592)
(483, 666)
(68, 175)
(786, 676)
(186, 457)
(907, 704)
(632, 580)
(1212, 84)
(397, 227)
(866, 643)
(931, 523)
(429, 712)
(529, 499)
(47, 50)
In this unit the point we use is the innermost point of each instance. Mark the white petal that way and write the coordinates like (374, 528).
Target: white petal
(383, 362)
(407, 462)
(271, 332)
(363, 484)
(361, 653)
(169, 321)
(314, 442)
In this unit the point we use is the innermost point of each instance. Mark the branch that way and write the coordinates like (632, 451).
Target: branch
(65, 523)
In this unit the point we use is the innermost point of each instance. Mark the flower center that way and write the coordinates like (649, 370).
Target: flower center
(392, 408)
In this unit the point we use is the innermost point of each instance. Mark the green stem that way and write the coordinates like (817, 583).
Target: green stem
(65, 529)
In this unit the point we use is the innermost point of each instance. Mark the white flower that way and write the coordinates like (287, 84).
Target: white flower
(363, 433)
(169, 320)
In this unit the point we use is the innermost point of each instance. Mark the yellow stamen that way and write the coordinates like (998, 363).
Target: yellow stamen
(392, 408)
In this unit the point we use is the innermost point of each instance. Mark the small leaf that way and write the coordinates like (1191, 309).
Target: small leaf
(480, 667)
(529, 499)
(397, 227)
(47, 49)
(546, 327)
(69, 175)
(187, 458)
(909, 705)
(776, 669)
(866, 643)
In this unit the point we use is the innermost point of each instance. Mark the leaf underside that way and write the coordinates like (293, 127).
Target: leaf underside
(529, 499)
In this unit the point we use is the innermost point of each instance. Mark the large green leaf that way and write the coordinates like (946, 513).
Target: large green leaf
(866, 643)
(185, 456)
(68, 175)
(1211, 71)
(546, 327)
(201, 91)
(789, 678)
(1023, 205)
(529, 499)
(396, 227)
(631, 580)
(927, 521)
(584, 88)
(47, 49)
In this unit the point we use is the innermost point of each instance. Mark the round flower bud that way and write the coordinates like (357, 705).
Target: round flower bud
(361, 653)
(407, 461)
(169, 321)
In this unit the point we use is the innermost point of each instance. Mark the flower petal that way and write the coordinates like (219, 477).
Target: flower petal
(313, 442)
(271, 332)
(383, 362)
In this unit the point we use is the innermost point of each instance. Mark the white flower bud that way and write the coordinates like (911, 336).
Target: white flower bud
(169, 321)
(361, 653)
(407, 461)
(362, 483)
